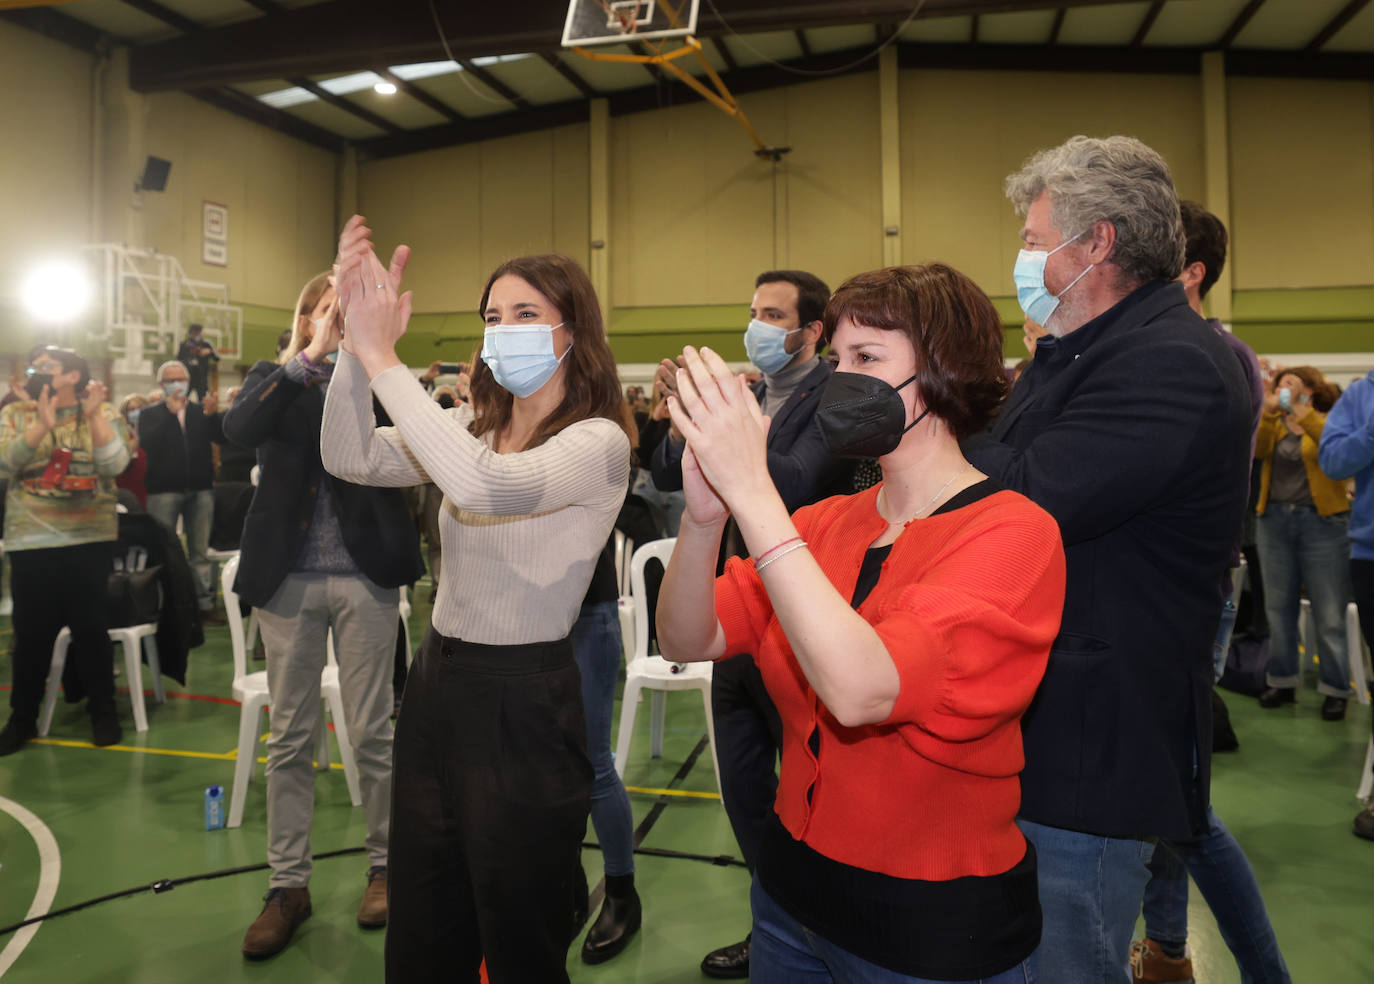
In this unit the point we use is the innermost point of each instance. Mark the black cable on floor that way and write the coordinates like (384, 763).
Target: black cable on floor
(641, 832)
(647, 824)
(165, 885)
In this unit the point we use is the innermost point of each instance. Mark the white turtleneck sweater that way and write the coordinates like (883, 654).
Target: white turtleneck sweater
(520, 531)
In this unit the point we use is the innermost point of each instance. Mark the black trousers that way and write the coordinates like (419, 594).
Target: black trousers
(1362, 584)
(490, 800)
(748, 740)
(51, 588)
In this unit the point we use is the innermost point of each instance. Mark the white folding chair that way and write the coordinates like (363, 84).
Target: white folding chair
(134, 639)
(654, 673)
(250, 690)
(1355, 652)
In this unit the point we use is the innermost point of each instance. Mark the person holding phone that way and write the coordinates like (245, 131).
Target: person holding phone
(1303, 538)
(61, 451)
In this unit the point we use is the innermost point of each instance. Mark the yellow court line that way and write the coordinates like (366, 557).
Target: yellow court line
(687, 793)
(232, 754)
(175, 752)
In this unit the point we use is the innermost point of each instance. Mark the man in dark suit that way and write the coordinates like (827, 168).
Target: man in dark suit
(784, 330)
(177, 434)
(1132, 428)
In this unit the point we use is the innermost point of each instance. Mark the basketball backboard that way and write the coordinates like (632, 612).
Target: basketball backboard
(593, 22)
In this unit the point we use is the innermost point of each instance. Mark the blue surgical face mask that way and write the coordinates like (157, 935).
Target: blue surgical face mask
(176, 387)
(766, 345)
(133, 416)
(521, 356)
(1029, 276)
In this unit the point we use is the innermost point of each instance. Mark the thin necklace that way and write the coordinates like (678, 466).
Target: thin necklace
(933, 498)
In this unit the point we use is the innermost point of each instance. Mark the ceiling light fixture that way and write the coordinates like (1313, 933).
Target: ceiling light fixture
(384, 89)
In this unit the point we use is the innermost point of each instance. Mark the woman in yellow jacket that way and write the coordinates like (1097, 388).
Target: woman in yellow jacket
(1303, 538)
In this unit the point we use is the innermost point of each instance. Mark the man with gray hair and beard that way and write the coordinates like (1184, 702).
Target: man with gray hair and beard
(1132, 428)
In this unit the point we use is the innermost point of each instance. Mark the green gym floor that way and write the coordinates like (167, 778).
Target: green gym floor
(90, 822)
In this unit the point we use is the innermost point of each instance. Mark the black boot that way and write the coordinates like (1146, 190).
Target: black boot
(16, 734)
(105, 729)
(729, 962)
(618, 922)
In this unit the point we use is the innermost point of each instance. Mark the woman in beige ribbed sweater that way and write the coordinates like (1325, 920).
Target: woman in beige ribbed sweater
(492, 780)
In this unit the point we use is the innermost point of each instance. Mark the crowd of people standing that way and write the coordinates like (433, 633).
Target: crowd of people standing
(957, 739)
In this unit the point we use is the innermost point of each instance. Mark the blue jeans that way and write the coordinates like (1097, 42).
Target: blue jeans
(597, 650)
(1223, 873)
(1299, 548)
(1090, 892)
(783, 951)
(196, 510)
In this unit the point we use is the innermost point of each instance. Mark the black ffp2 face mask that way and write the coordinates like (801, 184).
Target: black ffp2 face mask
(863, 416)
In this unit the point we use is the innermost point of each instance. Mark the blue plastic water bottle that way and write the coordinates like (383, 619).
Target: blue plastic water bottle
(214, 808)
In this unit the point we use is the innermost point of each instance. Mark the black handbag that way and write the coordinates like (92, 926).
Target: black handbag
(133, 597)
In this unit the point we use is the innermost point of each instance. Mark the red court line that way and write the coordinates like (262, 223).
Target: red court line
(179, 696)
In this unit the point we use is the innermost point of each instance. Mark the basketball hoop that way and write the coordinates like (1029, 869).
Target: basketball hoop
(651, 25)
(624, 15)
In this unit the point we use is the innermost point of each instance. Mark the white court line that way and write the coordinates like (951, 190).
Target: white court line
(49, 873)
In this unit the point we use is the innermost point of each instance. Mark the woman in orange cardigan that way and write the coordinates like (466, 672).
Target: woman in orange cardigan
(1303, 538)
(901, 632)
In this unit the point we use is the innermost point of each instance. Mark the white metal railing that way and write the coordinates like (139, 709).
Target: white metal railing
(148, 301)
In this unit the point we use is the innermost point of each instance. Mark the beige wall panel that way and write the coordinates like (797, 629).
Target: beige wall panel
(465, 210)
(571, 211)
(833, 191)
(280, 194)
(45, 153)
(964, 132)
(1302, 183)
(695, 215)
(516, 175)
(691, 206)
(430, 201)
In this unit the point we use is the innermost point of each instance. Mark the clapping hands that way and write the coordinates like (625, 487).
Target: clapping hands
(375, 312)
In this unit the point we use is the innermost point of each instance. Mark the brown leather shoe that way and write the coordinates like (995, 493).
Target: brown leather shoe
(372, 913)
(1149, 965)
(285, 909)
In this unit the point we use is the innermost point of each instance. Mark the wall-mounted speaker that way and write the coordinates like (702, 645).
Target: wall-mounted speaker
(155, 171)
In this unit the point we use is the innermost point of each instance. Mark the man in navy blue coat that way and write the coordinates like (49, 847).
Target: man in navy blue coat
(1132, 428)
(784, 330)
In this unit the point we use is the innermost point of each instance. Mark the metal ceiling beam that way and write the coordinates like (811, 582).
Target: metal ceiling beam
(1073, 58)
(803, 43)
(1146, 23)
(1352, 66)
(60, 27)
(270, 47)
(973, 31)
(347, 105)
(559, 66)
(266, 6)
(420, 95)
(493, 83)
(723, 50)
(1334, 25)
(240, 104)
(1057, 26)
(167, 15)
(1239, 23)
